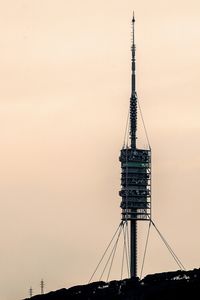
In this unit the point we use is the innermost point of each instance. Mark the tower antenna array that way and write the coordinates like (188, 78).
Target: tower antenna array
(135, 175)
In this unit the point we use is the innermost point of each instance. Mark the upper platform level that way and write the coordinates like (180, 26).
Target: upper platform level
(135, 155)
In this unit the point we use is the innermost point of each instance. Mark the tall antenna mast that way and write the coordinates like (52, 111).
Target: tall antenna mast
(133, 99)
(136, 175)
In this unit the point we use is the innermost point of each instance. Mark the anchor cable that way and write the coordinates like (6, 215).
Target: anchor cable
(113, 256)
(145, 251)
(177, 260)
(105, 253)
(145, 129)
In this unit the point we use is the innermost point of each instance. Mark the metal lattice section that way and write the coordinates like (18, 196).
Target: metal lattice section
(133, 120)
(136, 184)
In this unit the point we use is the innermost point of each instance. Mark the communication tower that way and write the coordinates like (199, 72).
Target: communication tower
(135, 191)
(135, 175)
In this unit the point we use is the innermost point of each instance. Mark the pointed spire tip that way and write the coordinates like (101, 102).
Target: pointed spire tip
(133, 20)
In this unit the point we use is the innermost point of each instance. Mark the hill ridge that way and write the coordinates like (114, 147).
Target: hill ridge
(159, 286)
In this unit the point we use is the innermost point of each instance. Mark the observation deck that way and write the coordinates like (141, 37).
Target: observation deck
(135, 184)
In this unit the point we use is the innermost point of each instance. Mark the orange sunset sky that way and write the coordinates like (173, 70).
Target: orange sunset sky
(64, 94)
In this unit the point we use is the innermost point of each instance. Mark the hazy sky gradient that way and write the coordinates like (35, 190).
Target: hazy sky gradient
(64, 96)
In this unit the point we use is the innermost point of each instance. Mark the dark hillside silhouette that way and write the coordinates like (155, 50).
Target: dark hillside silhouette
(162, 286)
